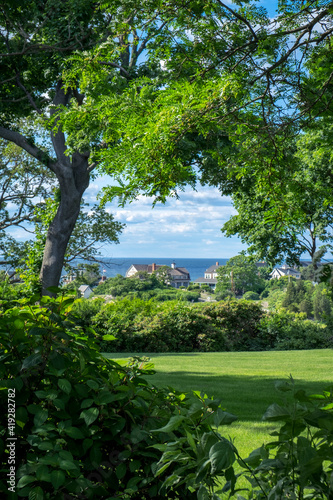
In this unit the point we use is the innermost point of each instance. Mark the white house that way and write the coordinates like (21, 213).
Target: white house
(179, 276)
(85, 291)
(285, 270)
(210, 277)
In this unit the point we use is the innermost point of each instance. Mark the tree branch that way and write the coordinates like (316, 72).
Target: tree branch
(22, 142)
(29, 96)
(58, 139)
(239, 17)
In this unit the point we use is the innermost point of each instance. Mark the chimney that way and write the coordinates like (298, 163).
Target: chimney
(173, 265)
(217, 264)
(153, 268)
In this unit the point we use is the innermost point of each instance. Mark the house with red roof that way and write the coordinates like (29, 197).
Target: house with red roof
(179, 276)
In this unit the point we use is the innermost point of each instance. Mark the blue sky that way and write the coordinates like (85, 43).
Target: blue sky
(189, 227)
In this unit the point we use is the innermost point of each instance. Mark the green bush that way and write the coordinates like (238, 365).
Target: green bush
(239, 321)
(87, 427)
(288, 331)
(85, 309)
(177, 327)
(224, 294)
(171, 327)
(251, 296)
(298, 463)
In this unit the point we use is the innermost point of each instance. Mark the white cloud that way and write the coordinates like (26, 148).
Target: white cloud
(187, 226)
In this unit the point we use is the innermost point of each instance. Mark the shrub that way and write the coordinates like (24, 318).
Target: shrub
(288, 331)
(251, 296)
(298, 462)
(173, 326)
(85, 309)
(224, 294)
(89, 428)
(239, 321)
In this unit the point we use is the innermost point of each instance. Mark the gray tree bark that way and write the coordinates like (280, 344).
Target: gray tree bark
(73, 177)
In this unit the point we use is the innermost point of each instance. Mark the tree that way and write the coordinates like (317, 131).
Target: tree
(37, 40)
(239, 275)
(24, 184)
(304, 224)
(92, 227)
(229, 78)
(322, 305)
(237, 91)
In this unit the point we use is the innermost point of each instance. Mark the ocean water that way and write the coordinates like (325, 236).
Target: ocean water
(196, 267)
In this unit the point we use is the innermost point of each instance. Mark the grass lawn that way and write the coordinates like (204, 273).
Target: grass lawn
(244, 381)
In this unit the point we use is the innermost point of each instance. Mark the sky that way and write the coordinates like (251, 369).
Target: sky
(188, 227)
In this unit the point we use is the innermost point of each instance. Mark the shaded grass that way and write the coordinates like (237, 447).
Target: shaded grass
(245, 383)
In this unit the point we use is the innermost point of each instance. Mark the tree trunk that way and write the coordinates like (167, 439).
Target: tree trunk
(73, 180)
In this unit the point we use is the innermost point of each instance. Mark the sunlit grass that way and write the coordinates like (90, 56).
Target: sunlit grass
(245, 383)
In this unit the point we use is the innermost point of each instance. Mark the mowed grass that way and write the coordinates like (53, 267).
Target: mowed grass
(244, 381)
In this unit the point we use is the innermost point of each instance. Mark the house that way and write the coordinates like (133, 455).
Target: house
(210, 277)
(85, 291)
(179, 276)
(285, 270)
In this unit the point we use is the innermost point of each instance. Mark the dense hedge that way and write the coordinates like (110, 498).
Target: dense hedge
(86, 427)
(231, 325)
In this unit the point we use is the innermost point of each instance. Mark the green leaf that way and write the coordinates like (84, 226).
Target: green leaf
(109, 337)
(30, 361)
(203, 494)
(222, 455)
(58, 478)
(36, 494)
(40, 417)
(43, 474)
(92, 384)
(65, 385)
(45, 445)
(173, 424)
(59, 403)
(25, 480)
(255, 457)
(54, 289)
(87, 443)
(86, 403)
(105, 398)
(223, 417)
(89, 415)
(74, 432)
(276, 412)
(121, 470)
(67, 465)
(132, 483)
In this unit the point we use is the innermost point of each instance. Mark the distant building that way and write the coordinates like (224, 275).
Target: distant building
(179, 276)
(210, 277)
(85, 291)
(285, 270)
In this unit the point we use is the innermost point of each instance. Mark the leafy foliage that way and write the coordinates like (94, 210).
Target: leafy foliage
(298, 462)
(88, 427)
(239, 275)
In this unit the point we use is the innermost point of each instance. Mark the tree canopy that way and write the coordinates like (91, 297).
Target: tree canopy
(164, 95)
(239, 275)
